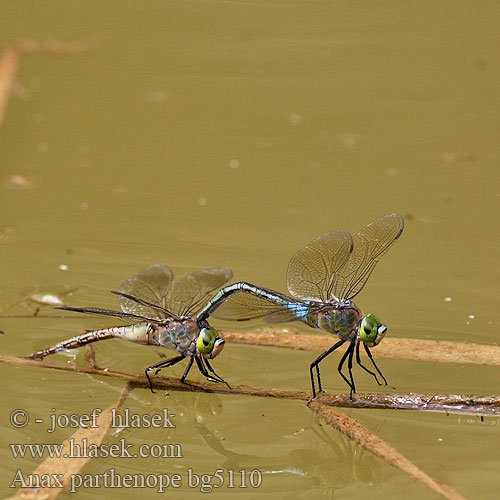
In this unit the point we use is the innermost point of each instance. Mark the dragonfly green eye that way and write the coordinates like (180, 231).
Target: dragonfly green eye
(371, 331)
(209, 343)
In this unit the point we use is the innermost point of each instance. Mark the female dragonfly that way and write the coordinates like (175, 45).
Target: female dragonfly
(323, 277)
(163, 313)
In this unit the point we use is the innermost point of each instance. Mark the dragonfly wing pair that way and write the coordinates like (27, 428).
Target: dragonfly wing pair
(152, 291)
(332, 267)
(250, 302)
(152, 295)
(336, 266)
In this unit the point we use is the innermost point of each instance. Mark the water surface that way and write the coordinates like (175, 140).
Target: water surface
(198, 134)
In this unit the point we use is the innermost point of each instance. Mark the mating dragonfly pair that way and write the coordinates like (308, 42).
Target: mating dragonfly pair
(323, 278)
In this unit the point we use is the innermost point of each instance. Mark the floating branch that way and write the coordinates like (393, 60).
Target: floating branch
(457, 403)
(449, 403)
(83, 438)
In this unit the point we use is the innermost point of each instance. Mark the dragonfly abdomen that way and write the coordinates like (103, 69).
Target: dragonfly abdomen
(140, 333)
(136, 333)
(74, 342)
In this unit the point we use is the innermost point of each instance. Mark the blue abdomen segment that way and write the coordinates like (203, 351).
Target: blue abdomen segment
(300, 310)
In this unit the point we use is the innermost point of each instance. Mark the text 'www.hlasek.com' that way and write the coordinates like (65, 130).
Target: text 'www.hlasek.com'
(78, 447)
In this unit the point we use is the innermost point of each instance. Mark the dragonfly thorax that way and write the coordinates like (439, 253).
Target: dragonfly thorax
(341, 318)
(180, 336)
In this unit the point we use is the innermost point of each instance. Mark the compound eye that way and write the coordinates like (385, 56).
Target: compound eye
(369, 330)
(206, 340)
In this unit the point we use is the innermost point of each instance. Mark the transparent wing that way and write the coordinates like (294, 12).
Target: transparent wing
(151, 284)
(108, 312)
(369, 246)
(242, 306)
(191, 293)
(161, 311)
(313, 270)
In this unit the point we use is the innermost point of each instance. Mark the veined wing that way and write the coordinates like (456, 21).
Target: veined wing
(191, 293)
(160, 311)
(150, 285)
(369, 246)
(313, 270)
(272, 306)
(108, 312)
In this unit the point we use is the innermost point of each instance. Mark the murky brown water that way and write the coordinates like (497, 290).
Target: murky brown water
(198, 134)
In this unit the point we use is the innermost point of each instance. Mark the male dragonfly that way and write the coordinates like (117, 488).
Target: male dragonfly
(323, 277)
(163, 311)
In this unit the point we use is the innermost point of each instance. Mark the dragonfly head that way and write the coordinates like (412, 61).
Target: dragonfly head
(372, 331)
(209, 343)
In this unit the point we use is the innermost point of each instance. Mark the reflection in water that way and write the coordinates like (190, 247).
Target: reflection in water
(328, 462)
(333, 462)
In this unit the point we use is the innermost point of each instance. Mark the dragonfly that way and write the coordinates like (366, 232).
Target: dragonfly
(323, 278)
(163, 314)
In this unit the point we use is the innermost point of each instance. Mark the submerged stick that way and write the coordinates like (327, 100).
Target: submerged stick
(380, 448)
(67, 465)
(9, 62)
(414, 349)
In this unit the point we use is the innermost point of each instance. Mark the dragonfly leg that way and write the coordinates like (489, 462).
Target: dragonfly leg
(190, 364)
(373, 362)
(209, 366)
(358, 360)
(349, 368)
(315, 364)
(183, 378)
(349, 352)
(320, 389)
(204, 372)
(162, 364)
